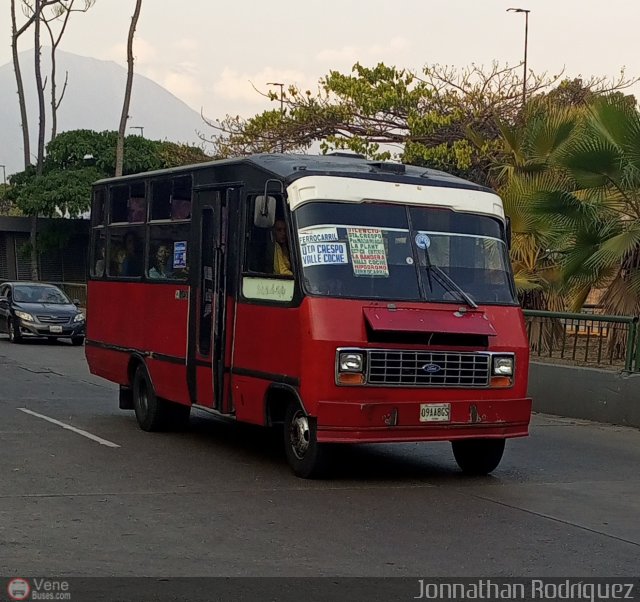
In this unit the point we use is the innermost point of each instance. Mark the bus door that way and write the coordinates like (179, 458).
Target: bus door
(208, 303)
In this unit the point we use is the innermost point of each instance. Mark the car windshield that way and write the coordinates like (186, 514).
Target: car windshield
(39, 294)
(397, 252)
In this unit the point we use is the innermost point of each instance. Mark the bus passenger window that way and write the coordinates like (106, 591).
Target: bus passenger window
(125, 253)
(99, 263)
(181, 198)
(137, 210)
(119, 204)
(168, 252)
(98, 207)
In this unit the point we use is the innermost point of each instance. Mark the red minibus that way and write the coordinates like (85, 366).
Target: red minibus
(343, 299)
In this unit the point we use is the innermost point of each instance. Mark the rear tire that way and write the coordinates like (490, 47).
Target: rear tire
(77, 341)
(307, 458)
(152, 412)
(478, 456)
(14, 332)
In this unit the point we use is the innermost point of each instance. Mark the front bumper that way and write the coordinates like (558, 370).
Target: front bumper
(74, 329)
(370, 422)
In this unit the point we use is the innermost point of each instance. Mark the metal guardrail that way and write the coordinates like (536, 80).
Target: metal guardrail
(611, 342)
(74, 290)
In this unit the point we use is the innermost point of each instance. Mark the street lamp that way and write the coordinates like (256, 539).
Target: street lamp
(138, 127)
(526, 36)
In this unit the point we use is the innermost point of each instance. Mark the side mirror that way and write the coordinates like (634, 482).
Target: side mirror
(508, 231)
(264, 213)
(76, 302)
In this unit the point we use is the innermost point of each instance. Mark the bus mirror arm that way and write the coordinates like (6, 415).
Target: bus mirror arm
(508, 231)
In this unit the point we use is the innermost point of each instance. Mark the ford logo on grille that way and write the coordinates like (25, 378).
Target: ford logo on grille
(431, 368)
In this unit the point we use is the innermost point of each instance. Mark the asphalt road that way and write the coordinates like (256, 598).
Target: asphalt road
(219, 500)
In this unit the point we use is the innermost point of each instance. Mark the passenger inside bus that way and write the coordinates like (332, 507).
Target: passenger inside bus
(281, 255)
(160, 267)
(100, 261)
(132, 264)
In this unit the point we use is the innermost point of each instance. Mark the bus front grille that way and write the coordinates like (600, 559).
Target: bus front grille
(428, 369)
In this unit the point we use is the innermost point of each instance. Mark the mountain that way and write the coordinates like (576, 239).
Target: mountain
(93, 100)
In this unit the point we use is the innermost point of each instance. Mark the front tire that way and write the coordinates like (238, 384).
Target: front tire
(478, 456)
(306, 457)
(77, 341)
(14, 332)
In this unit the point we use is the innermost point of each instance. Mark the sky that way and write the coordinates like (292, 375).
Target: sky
(211, 53)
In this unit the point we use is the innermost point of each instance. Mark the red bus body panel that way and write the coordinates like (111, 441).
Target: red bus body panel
(298, 345)
(152, 322)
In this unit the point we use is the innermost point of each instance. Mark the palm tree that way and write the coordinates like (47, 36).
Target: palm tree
(526, 177)
(603, 209)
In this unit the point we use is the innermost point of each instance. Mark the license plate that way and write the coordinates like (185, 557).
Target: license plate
(435, 412)
(55, 328)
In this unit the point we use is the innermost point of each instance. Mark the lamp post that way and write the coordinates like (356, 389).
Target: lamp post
(526, 36)
(138, 127)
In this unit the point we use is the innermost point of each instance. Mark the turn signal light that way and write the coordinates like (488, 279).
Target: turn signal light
(350, 378)
(501, 382)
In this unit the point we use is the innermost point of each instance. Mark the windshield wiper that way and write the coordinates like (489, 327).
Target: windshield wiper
(445, 281)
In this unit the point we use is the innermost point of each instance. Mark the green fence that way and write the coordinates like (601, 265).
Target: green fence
(75, 291)
(584, 339)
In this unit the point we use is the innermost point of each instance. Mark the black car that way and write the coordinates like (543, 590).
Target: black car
(40, 310)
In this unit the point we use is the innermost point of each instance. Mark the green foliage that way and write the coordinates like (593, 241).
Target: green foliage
(78, 158)
(572, 187)
(454, 120)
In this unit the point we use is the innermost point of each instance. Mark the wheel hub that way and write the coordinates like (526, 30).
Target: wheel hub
(143, 398)
(299, 435)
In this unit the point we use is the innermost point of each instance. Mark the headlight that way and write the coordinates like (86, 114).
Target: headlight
(503, 366)
(23, 315)
(79, 318)
(351, 362)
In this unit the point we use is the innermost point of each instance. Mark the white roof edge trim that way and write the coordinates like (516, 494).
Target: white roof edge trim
(308, 189)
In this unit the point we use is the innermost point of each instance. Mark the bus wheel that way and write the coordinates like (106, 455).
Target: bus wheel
(478, 456)
(150, 411)
(305, 455)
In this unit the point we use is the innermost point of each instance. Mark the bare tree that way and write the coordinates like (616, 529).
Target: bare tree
(127, 90)
(35, 16)
(60, 13)
(15, 35)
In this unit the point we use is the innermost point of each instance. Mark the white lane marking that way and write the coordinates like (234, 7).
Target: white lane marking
(71, 428)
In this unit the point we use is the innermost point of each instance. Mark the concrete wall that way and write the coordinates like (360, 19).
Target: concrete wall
(585, 393)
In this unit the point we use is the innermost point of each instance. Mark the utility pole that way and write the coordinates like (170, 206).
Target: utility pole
(526, 38)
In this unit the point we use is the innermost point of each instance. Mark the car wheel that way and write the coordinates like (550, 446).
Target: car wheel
(478, 456)
(14, 333)
(77, 341)
(307, 458)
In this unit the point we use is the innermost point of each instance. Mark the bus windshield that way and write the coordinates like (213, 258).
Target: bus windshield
(399, 252)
